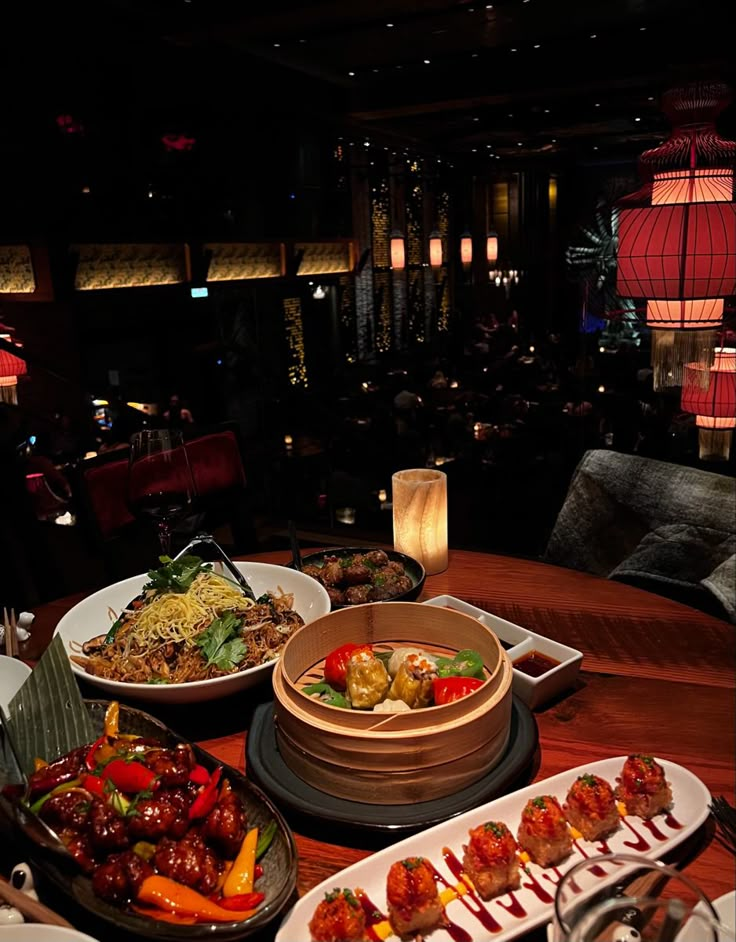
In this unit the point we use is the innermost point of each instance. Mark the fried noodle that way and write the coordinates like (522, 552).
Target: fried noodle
(156, 643)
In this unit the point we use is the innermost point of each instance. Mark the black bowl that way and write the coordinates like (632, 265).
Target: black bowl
(412, 567)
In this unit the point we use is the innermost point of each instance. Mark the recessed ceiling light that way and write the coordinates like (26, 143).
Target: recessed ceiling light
(595, 147)
(642, 29)
(277, 45)
(376, 70)
(489, 6)
(650, 98)
(474, 55)
(519, 144)
(597, 104)
(637, 119)
(594, 35)
(389, 25)
(476, 119)
(554, 140)
(537, 45)
(302, 40)
(514, 49)
(351, 73)
(510, 115)
(475, 150)
(426, 61)
(546, 110)
(399, 66)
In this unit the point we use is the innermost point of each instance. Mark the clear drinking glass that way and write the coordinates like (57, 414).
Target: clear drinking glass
(160, 482)
(629, 898)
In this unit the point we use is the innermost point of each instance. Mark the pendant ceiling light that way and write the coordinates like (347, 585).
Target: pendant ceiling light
(11, 367)
(677, 235)
(492, 247)
(398, 250)
(466, 250)
(710, 393)
(435, 249)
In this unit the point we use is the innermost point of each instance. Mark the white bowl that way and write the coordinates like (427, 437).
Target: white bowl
(518, 641)
(90, 617)
(13, 674)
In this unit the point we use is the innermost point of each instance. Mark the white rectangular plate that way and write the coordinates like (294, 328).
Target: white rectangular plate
(689, 810)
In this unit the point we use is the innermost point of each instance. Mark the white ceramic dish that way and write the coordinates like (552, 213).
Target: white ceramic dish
(536, 895)
(91, 617)
(518, 641)
(725, 907)
(37, 932)
(13, 674)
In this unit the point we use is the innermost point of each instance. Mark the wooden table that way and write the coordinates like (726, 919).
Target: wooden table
(657, 677)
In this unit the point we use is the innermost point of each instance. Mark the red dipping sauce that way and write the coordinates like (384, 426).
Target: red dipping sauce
(535, 664)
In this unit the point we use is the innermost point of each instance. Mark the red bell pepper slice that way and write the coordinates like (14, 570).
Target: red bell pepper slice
(447, 689)
(94, 784)
(336, 664)
(206, 796)
(90, 759)
(241, 902)
(129, 777)
(199, 775)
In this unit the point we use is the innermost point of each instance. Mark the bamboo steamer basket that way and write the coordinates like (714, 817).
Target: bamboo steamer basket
(391, 758)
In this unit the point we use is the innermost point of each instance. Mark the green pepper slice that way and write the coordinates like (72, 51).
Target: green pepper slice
(327, 695)
(466, 663)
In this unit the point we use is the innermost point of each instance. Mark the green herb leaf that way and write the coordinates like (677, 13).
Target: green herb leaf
(158, 680)
(265, 838)
(220, 644)
(176, 575)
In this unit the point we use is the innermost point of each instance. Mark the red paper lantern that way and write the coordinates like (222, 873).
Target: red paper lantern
(492, 247)
(710, 393)
(11, 367)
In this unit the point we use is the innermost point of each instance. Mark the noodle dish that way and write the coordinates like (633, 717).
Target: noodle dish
(186, 625)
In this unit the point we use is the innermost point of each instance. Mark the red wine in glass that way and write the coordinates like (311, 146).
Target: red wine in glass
(160, 482)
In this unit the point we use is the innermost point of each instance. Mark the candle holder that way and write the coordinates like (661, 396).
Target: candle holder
(420, 516)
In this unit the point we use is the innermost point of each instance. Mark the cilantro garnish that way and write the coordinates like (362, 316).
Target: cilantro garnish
(158, 680)
(176, 575)
(497, 830)
(412, 863)
(589, 779)
(539, 803)
(220, 643)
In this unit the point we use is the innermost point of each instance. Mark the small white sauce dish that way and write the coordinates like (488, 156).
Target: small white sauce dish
(13, 674)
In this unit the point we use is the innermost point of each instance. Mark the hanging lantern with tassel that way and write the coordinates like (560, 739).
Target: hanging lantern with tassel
(677, 235)
(710, 393)
(11, 367)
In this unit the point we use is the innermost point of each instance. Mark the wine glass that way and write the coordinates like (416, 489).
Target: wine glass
(160, 482)
(629, 898)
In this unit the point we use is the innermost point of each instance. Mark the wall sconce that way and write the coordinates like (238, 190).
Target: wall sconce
(435, 249)
(466, 250)
(398, 251)
(492, 247)
(420, 516)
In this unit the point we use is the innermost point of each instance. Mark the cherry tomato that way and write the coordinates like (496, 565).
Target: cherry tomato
(447, 689)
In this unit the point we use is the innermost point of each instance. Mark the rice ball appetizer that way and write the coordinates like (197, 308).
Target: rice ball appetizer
(590, 807)
(338, 918)
(414, 905)
(642, 786)
(543, 831)
(491, 860)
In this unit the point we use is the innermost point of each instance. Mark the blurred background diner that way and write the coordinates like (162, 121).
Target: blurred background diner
(329, 244)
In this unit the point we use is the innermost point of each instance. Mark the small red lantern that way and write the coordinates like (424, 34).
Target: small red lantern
(492, 247)
(11, 367)
(710, 393)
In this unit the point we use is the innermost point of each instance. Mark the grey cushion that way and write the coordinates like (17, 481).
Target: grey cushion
(654, 524)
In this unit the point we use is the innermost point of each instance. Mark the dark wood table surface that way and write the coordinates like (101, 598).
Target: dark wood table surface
(657, 677)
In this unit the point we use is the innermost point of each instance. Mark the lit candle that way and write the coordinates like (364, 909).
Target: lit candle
(382, 495)
(288, 441)
(420, 516)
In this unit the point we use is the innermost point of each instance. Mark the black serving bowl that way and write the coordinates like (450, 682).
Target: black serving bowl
(412, 567)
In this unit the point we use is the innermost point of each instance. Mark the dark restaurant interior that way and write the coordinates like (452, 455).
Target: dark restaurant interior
(367, 475)
(271, 226)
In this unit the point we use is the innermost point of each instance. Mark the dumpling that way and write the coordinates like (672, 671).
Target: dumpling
(413, 682)
(398, 656)
(367, 679)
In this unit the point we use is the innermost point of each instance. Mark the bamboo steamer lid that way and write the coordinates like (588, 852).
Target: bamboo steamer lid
(391, 758)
